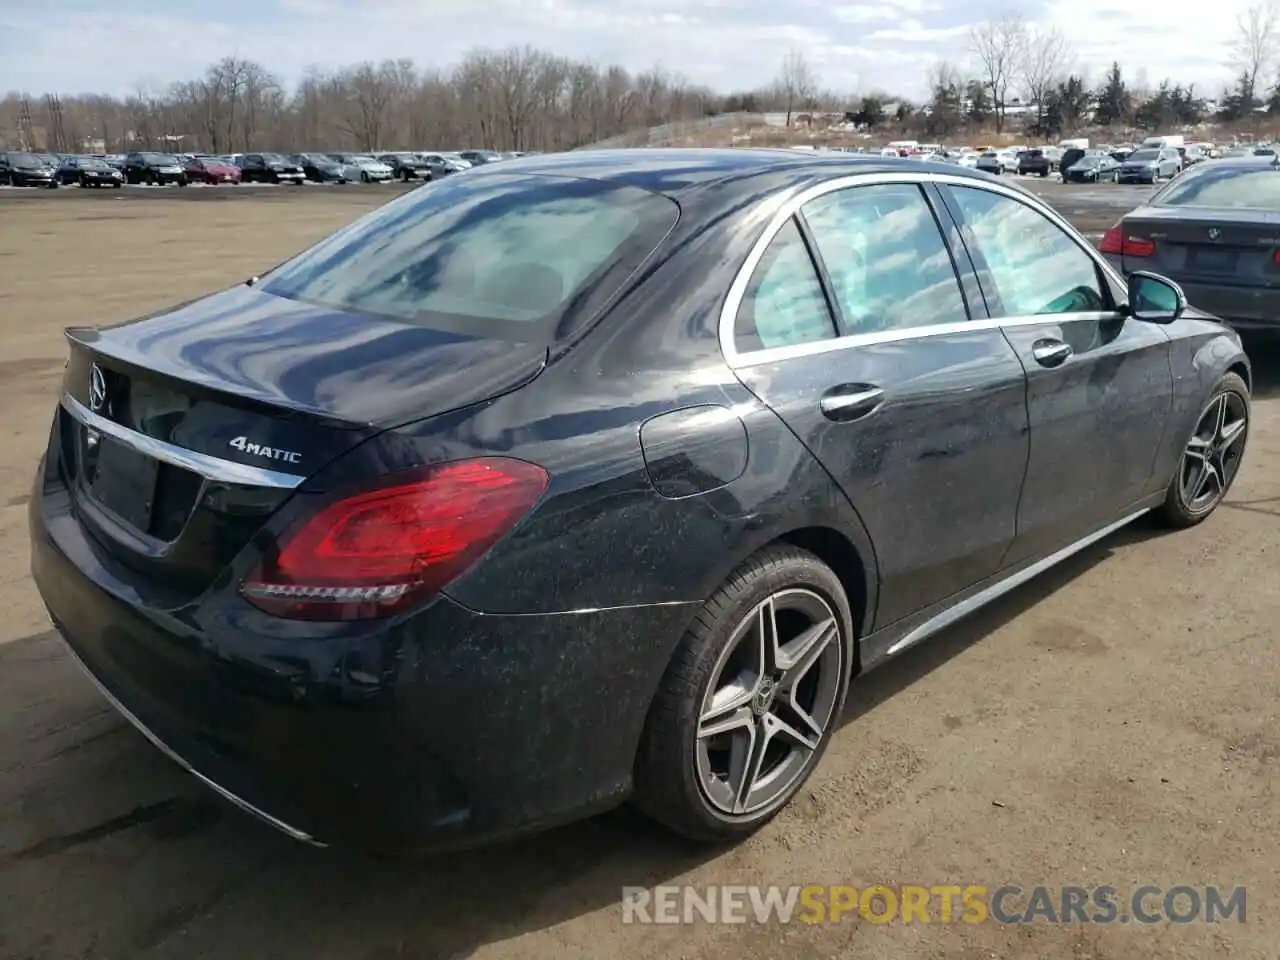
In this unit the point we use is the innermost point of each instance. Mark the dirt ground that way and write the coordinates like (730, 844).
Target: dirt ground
(1113, 722)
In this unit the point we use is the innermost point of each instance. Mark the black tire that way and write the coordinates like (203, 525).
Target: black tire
(364, 176)
(667, 783)
(1178, 511)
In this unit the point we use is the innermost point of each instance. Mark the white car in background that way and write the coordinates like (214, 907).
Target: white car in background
(998, 161)
(362, 167)
(459, 161)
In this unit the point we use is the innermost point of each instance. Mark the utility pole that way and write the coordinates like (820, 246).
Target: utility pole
(57, 133)
(26, 135)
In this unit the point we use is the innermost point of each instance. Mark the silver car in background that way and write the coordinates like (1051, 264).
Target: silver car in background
(1150, 165)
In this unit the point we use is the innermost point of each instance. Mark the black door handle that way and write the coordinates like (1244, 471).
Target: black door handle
(851, 401)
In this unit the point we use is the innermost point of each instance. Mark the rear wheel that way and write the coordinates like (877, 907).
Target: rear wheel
(751, 697)
(1212, 456)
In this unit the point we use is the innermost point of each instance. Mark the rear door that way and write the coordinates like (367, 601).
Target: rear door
(855, 330)
(1099, 386)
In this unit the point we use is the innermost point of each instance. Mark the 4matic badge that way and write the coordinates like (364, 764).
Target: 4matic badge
(244, 445)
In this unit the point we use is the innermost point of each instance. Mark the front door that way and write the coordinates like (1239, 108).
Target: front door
(855, 331)
(1099, 385)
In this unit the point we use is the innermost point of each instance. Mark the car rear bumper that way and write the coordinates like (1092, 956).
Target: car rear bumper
(448, 729)
(1241, 307)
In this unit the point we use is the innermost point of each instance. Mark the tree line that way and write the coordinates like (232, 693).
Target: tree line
(1014, 63)
(526, 99)
(515, 99)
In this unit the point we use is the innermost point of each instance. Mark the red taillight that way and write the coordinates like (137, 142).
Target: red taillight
(1276, 257)
(1115, 242)
(374, 553)
(1138, 247)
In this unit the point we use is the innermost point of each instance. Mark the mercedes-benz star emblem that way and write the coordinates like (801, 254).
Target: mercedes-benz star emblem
(1214, 233)
(97, 389)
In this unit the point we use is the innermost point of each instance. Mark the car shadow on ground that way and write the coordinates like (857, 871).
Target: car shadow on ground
(135, 859)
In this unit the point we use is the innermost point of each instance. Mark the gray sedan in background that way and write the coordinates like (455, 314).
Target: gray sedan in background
(1216, 231)
(1149, 166)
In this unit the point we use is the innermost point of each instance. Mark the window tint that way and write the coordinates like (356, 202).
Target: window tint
(784, 304)
(888, 264)
(516, 257)
(1036, 267)
(1238, 186)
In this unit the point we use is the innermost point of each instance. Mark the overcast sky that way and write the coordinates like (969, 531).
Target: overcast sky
(111, 45)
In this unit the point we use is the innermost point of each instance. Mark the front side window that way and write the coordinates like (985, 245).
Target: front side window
(784, 304)
(509, 257)
(888, 263)
(1034, 265)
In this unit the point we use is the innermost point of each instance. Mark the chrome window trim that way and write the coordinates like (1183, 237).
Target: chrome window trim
(211, 468)
(784, 210)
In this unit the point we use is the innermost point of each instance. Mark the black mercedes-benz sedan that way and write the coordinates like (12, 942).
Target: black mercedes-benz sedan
(599, 476)
(1214, 230)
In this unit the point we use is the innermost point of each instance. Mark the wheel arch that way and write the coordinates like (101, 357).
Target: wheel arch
(838, 552)
(1241, 369)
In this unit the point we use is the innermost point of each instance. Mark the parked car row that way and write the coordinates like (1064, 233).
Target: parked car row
(26, 169)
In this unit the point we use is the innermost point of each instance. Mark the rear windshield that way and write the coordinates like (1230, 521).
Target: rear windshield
(1145, 155)
(509, 257)
(1240, 187)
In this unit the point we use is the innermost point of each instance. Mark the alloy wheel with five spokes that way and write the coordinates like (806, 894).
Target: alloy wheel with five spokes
(771, 698)
(1213, 454)
(750, 699)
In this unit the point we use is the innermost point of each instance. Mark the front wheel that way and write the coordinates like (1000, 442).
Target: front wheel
(364, 176)
(1212, 456)
(751, 697)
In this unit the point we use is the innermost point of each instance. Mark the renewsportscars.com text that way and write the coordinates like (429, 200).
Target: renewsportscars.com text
(942, 903)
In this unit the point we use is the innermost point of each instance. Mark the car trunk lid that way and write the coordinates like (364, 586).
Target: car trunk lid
(180, 434)
(1202, 244)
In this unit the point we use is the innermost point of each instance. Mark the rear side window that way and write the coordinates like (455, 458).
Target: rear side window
(784, 304)
(1238, 187)
(507, 257)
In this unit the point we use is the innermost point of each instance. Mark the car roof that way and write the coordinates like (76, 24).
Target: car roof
(673, 171)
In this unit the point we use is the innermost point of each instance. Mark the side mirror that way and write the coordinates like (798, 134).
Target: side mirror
(1154, 298)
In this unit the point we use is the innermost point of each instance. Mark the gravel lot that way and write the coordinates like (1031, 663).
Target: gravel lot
(1113, 722)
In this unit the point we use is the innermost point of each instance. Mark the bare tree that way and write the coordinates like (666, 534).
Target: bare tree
(796, 83)
(1047, 57)
(368, 90)
(1253, 50)
(998, 44)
